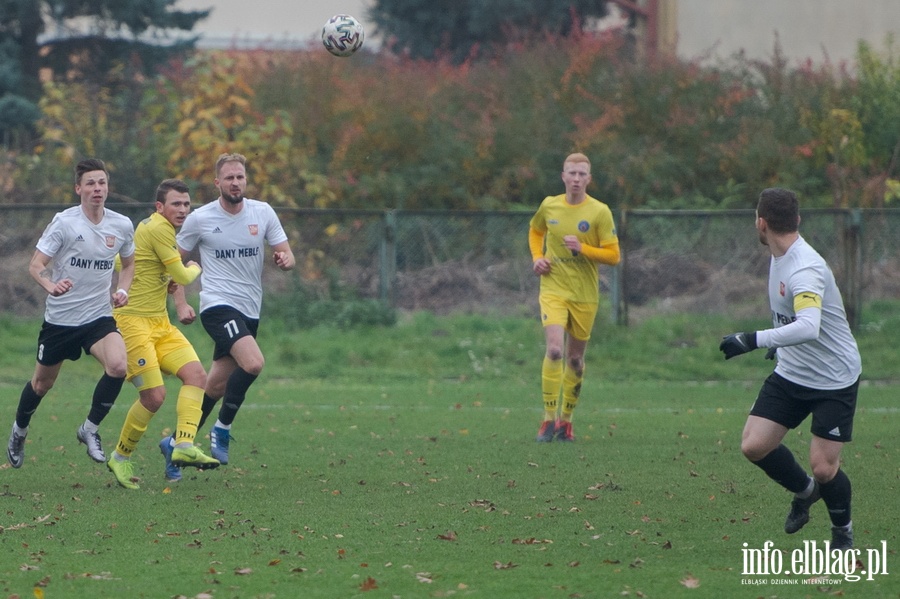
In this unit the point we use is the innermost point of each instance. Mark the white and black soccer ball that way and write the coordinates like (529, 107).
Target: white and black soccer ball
(343, 35)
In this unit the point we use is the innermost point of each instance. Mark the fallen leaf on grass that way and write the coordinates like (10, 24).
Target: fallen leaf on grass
(690, 582)
(450, 536)
(531, 541)
(243, 571)
(368, 584)
(424, 577)
(506, 566)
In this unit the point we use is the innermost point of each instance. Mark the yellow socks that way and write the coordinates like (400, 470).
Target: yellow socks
(571, 392)
(551, 380)
(188, 410)
(135, 426)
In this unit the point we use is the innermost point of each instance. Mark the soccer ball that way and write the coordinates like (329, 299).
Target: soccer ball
(342, 35)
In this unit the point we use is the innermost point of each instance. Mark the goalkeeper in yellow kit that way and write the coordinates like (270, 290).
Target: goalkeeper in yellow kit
(155, 345)
(570, 234)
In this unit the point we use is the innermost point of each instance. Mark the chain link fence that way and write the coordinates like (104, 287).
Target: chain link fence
(700, 262)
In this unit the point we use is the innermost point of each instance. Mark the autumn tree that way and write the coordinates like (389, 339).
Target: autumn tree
(435, 28)
(84, 41)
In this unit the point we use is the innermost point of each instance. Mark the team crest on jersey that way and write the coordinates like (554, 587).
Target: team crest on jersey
(110, 241)
(781, 288)
(583, 226)
(254, 229)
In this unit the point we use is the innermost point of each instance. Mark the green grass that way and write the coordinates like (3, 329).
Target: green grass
(404, 459)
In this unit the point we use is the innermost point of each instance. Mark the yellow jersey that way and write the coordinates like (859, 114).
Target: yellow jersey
(156, 262)
(573, 276)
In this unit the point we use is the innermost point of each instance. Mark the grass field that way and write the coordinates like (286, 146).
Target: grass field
(401, 462)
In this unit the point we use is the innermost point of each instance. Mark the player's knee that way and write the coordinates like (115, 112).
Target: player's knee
(754, 451)
(193, 374)
(255, 367)
(577, 364)
(117, 370)
(216, 390)
(554, 353)
(41, 386)
(153, 399)
(198, 380)
(823, 472)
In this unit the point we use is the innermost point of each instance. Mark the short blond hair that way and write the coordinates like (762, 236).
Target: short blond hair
(577, 157)
(223, 158)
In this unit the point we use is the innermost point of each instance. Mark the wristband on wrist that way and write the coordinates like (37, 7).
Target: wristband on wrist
(122, 291)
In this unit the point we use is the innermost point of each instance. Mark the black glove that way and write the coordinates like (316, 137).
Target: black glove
(770, 355)
(737, 344)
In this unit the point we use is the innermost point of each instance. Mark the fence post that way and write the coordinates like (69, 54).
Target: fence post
(852, 268)
(387, 255)
(620, 274)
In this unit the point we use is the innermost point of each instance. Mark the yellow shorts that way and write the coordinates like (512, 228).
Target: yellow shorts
(155, 346)
(576, 317)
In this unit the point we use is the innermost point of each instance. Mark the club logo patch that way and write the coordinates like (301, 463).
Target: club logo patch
(584, 226)
(110, 241)
(254, 229)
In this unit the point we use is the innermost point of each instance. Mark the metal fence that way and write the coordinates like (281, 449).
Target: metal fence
(700, 262)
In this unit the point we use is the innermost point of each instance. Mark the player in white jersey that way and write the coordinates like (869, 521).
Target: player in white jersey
(74, 262)
(817, 373)
(230, 235)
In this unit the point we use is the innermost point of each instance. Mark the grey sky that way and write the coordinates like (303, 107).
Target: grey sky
(270, 20)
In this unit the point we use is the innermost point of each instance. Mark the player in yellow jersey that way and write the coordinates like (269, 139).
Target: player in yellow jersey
(570, 234)
(155, 345)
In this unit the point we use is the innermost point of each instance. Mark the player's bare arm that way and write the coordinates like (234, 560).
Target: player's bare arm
(283, 256)
(185, 312)
(541, 266)
(42, 274)
(126, 276)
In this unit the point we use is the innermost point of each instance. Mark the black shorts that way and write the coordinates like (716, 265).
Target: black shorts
(226, 325)
(789, 404)
(57, 342)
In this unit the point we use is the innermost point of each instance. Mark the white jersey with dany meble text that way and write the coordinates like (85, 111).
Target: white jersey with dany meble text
(232, 252)
(85, 254)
